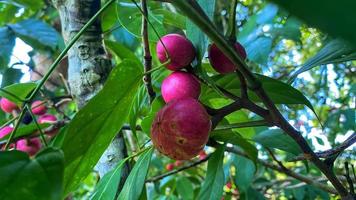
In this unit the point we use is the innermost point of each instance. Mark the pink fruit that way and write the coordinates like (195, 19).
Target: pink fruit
(7, 106)
(229, 185)
(30, 146)
(202, 155)
(180, 50)
(38, 107)
(222, 63)
(169, 167)
(181, 129)
(47, 118)
(5, 131)
(178, 163)
(179, 85)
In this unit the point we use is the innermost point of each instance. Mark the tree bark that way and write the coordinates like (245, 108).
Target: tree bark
(89, 67)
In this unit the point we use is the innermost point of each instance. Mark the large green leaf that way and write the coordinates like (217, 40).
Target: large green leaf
(11, 76)
(34, 5)
(334, 51)
(328, 15)
(20, 90)
(121, 51)
(232, 137)
(275, 138)
(185, 188)
(7, 43)
(107, 186)
(130, 17)
(37, 33)
(136, 180)
(198, 38)
(39, 178)
(245, 170)
(95, 125)
(213, 184)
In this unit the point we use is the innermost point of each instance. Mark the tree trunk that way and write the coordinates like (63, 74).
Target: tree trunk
(88, 67)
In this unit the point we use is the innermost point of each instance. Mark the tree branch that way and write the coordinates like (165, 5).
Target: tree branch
(330, 152)
(146, 52)
(302, 178)
(193, 164)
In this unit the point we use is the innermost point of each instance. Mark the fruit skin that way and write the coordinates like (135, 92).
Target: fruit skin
(202, 155)
(170, 167)
(178, 163)
(229, 185)
(179, 85)
(7, 106)
(181, 129)
(179, 48)
(38, 107)
(30, 146)
(48, 118)
(222, 63)
(6, 130)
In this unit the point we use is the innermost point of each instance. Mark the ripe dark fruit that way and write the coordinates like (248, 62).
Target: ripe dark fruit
(7, 106)
(179, 85)
(38, 107)
(222, 63)
(180, 50)
(27, 118)
(30, 146)
(180, 129)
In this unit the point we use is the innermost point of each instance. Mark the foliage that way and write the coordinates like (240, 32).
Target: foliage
(302, 52)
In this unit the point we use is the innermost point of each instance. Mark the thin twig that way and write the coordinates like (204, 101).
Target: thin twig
(303, 178)
(146, 52)
(193, 164)
(331, 152)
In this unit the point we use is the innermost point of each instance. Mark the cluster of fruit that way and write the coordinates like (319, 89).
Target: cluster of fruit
(181, 128)
(30, 144)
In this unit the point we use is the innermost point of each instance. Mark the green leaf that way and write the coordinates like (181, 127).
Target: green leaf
(39, 178)
(172, 19)
(107, 186)
(157, 104)
(33, 5)
(37, 33)
(252, 194)
(213, 184)
(229, 136)
(329, 16)
(140, 101)
(194, 34)
(259, 49)
(94, 126)
(136, 180)
(290, 30)
(185, 188)
(7, 43)
(334, 51)
(130, 17)
(121, 51)
(21, 90)
(11, 76)
(276, 138)
(245, 170)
